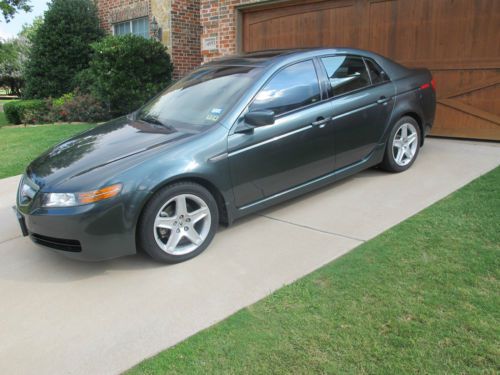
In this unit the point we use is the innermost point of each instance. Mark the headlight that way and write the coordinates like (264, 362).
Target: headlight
(77, 199)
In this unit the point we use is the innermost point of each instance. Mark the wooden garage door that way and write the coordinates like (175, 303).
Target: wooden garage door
(458, 40)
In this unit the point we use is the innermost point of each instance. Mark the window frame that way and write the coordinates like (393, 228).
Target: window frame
(363, 58)
(130, 25)
(322, 97)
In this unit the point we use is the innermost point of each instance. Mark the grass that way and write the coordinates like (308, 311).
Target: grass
(423, 297)
(19, 145)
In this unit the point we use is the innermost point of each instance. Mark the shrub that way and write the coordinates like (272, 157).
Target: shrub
(24, 111)
(125, 71)
(79, 107)
(61, 47)
(59, 102)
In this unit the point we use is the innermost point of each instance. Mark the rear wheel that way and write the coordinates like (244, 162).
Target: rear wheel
(403, 145)
(178, 223)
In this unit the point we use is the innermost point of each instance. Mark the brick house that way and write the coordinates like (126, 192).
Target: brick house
(456, 39)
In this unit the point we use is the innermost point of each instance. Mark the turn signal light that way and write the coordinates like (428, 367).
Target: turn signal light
(99, 195)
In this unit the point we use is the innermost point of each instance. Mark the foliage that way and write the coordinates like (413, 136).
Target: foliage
(73, 107)
(24, 111)
(61, 47)
(78, 107)
(11, 7)
(421, 298)
(29, 31)
(125, 71)
(3, 119)
(21, 145)
(13, 56)
(60, 102)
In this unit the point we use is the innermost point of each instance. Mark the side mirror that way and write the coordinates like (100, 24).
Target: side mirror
(260, 118)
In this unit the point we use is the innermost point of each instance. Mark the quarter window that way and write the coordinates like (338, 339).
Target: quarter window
(345, 74)
(139, 26)
(376, 73)
(293, 87)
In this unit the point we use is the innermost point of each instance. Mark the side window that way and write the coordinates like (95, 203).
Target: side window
(345, 74)
(293, 87)
(376, 73)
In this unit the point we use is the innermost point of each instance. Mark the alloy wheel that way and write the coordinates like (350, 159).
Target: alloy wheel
(182, 224)
(405, 144)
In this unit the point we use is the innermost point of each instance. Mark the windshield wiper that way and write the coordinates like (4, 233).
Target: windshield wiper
(153, 120)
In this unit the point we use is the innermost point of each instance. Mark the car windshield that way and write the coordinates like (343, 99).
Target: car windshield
(200, 99)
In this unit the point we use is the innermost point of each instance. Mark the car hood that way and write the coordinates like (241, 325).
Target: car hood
(98, 147)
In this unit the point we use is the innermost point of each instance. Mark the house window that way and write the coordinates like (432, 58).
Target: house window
(139, 26)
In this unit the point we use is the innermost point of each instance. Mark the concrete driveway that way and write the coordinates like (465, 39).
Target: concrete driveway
(59, 316)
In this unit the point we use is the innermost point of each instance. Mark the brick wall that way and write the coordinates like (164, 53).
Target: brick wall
(121, 10)
(219, 19)
(185, 35)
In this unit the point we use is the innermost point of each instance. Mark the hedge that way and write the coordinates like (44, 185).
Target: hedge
(15, 111)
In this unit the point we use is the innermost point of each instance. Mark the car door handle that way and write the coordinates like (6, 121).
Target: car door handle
(321, 122)
(383, 100)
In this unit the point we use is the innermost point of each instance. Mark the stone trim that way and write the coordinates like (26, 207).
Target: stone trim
(129, 12)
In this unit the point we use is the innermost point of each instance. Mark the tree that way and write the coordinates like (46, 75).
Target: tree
(29, 31)
(61, 47)
(125, 71)
(13, 54)
(11, 7)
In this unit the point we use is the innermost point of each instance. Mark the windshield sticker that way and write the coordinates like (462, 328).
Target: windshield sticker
(211, 117)
(214, 114)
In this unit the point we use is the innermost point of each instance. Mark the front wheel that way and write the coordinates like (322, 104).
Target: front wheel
(403, 145)
(178, 223)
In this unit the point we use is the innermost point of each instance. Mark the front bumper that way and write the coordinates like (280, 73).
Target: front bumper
(91, 232)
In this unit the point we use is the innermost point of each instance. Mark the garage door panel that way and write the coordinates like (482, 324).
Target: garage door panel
(484, 99)
(455, 82)
(435, 30)
(456, 123)
(319, 25)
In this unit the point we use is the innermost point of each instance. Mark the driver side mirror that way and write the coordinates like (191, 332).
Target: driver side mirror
(260, 118)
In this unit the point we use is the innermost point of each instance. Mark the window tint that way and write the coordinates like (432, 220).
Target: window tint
(293, 87)
(376, 73)
(345, 74)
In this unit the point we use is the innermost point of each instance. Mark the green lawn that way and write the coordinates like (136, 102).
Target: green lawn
(19, 145)
(423, 297)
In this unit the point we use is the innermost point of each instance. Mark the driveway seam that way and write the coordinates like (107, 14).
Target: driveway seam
(314, 229)
(10, 239)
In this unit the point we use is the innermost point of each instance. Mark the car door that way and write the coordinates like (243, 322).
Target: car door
(297, 148)
(362, 105)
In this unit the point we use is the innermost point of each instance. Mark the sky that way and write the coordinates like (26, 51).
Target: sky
(10, 30)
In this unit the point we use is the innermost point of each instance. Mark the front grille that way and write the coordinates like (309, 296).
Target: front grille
(57, 243)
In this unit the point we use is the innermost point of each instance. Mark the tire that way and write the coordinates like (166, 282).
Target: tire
(167, 221)
(397, 143)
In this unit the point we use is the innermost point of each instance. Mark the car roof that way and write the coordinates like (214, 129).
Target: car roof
(284, 56)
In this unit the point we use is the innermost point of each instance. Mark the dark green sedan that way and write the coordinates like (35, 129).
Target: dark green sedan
(234, 136)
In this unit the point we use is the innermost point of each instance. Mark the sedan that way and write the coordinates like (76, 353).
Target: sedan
(234, 136)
